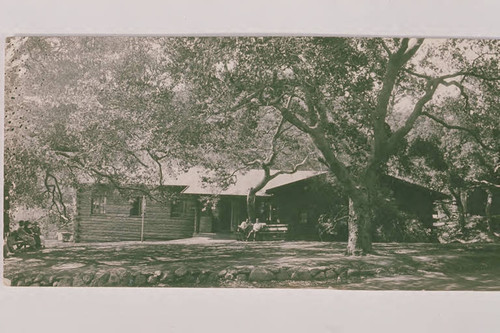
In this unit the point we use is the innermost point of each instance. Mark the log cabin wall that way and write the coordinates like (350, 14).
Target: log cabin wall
(113, 219)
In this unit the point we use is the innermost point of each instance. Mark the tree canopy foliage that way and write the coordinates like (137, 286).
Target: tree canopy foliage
(116, 108)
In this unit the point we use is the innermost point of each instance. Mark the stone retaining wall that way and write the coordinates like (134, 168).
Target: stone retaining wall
(186, 277)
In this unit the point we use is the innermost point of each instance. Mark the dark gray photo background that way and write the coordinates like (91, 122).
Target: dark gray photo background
(189, 310)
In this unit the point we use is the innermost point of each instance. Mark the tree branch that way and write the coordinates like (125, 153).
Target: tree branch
(293, 170)
(411, 52)
(459, 86)
(395, 63)
(111, 178)
(417, 111)
(119, 187)
(155, 158)
(131, 153)
(420, 75)
(335, 165)
(257, 161)
(488, 184)
(453, 75)
(291, 118)
(274, 150)
(403, 46)
(225, 179)
(244, 101)
(52, 190)
(386, 48)
(460, 128)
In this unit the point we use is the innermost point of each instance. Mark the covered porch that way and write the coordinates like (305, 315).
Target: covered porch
(229, 212)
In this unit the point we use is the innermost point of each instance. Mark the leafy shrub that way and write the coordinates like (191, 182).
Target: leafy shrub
(389, 225)
(393, 225)
(474, 231)
(404, 229)
(333, 227)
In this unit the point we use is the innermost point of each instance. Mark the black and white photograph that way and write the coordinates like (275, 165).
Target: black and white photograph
(322, 162)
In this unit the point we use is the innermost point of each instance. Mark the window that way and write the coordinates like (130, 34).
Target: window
(177, 208)
(98, 205)
(303, 218)
(137, 207)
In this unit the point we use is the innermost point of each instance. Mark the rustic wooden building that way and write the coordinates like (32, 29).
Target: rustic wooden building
(297, 200)
(106, 214)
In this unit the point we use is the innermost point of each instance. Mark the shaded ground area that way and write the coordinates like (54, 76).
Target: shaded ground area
(221, 263)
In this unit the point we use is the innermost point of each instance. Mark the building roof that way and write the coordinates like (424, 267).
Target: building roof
(194, 181)
(243, 180)
(436, 195)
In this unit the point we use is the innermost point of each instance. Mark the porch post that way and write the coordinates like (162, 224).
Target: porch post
(231, 228)
(143, 203)
(270, 211)
(196, 228)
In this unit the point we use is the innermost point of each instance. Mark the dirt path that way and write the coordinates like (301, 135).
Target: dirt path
(226, 263)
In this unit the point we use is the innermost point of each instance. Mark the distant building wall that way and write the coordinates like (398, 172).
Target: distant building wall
(414, 199)
(300, 205)
(476, 202)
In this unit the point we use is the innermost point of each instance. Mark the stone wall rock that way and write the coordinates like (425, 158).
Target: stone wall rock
(140, 280)
(100, 279)
(283, 274)
(301, 274)
(330, 274)
(181, 272)
(66, 281)
(260, 274)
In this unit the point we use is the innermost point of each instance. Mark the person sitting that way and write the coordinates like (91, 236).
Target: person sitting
(257, 226)
(243, 229)
(25, 235)
(33, 229)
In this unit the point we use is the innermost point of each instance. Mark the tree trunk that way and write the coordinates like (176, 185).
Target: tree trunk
(487, 211)
(460, 208)
(359, 224)
(359, 227)
(6, 209)
(464, 195)
(251, 204)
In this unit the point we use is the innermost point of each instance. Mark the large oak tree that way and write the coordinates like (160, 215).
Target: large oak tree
(356, 99)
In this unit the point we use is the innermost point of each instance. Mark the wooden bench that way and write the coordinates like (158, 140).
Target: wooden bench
(273, 232)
